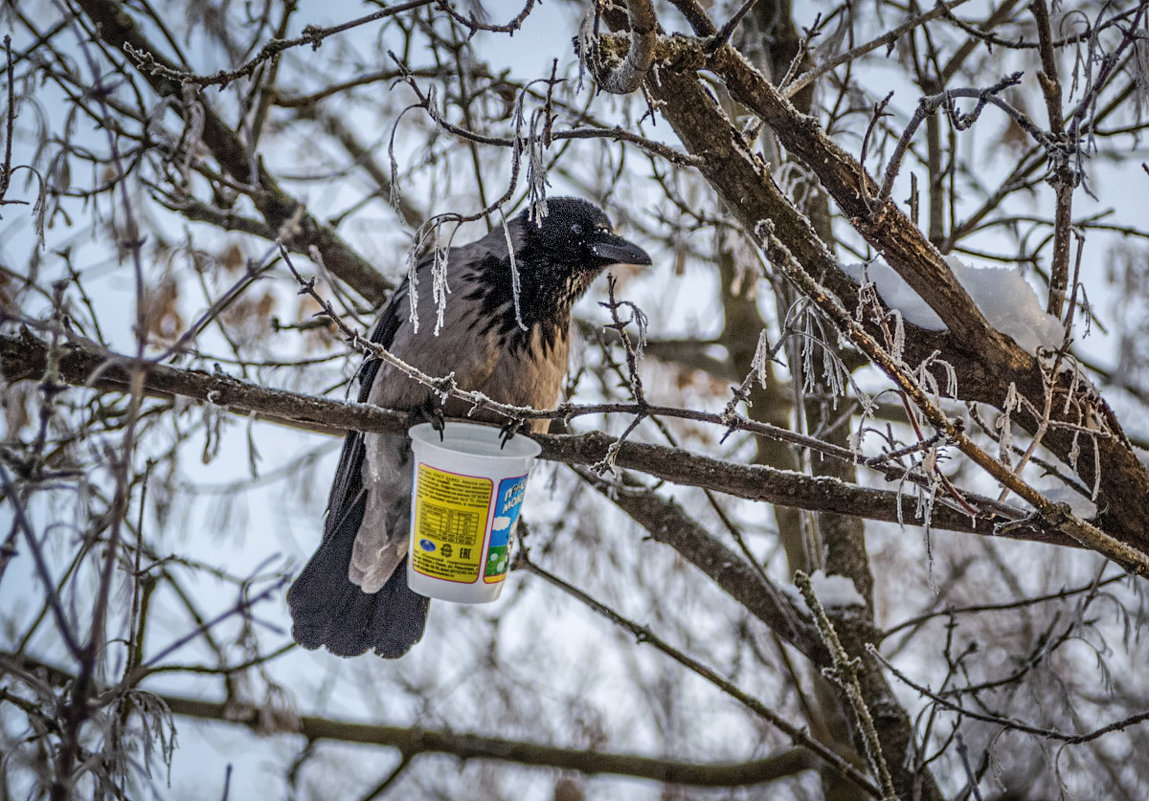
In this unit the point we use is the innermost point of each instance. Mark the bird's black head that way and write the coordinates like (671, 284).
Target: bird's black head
(557, 257)
(577, 236)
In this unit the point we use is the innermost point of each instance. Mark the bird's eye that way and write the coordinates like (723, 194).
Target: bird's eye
(576, 229)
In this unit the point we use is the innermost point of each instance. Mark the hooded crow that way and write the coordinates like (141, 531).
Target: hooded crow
(352, 596)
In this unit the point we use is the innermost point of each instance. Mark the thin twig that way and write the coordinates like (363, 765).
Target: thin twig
(950, 611)
(1064, 178)
(928, 105)
(6, 168)
(240, 607)
(312, 35)
(844, 673)
(392, 776)
(643, 635)
(789, 90)
(25, 526)
(1009, 723)
(727, 30)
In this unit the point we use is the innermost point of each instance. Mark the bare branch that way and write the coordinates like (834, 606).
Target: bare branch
(312, 35)
(82, 364)
(626, 75)
(414, 741)
(645, 636)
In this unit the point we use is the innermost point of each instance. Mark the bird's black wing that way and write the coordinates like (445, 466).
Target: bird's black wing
(327, 609)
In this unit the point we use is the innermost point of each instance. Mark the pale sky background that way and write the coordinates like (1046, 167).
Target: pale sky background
(285, 519)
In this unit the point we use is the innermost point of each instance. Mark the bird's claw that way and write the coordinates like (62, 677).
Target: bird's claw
(430, 412)
(509, 429)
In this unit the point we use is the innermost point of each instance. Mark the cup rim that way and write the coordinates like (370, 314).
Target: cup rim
(515, 449)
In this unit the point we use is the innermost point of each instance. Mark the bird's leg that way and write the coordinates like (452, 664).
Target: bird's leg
(510, 428)
(430, 411)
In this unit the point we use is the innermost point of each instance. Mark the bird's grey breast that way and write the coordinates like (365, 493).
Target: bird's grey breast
(479, 342)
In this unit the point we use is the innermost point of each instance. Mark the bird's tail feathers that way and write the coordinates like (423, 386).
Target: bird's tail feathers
(383, 535)
(328, 610)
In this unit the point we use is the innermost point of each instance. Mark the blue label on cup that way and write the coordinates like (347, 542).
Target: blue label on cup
(508, 502)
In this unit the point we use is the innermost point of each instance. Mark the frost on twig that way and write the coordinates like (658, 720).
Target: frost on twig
(634, 349)
(439, 286)
(411, 262)
(516, 285)
(192, 137)
(844, 672)
(536, 170)
(763, 353)
(815, 339)
(930, 383)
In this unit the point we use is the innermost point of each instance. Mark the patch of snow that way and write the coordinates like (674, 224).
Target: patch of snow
(834, 592)
(1143, 455)
(896, 293)
(1005, 298)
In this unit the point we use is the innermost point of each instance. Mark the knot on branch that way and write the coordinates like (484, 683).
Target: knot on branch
(1064, 153)
(444, 385)
(313, 34)
(614, 70)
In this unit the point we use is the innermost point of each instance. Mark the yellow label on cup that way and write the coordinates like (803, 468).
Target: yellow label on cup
(450, 515)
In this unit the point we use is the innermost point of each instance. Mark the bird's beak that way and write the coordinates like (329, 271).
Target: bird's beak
(616, 250)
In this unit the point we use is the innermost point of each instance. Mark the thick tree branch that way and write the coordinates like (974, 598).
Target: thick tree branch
(668, 523)
(987, 363)
(900, 242)
(628, 74)
(413, 741)
(82, 363)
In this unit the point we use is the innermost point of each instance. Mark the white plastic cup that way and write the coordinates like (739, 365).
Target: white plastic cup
(466, 495)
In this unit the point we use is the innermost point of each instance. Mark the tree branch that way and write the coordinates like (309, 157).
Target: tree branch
(988, 363)
(411, 741)
(626, 76)
(116, 28)
(82, 363)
